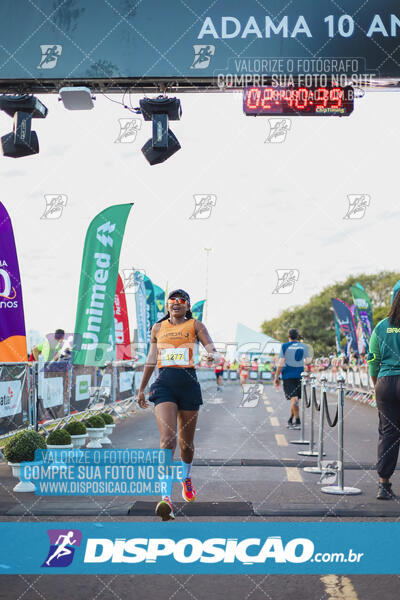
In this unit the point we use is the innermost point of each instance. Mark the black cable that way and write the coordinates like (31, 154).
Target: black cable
(314, 397)
(328, 417)
(308, 402)
(135, 111)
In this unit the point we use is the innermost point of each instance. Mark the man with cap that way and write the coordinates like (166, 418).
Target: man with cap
(292, 358)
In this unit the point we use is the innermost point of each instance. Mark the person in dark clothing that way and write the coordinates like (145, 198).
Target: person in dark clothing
(384, 368)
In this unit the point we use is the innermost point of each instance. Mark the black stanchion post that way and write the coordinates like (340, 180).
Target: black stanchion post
(302, 441)
(318, 469)
(311, 451)
(339, 488)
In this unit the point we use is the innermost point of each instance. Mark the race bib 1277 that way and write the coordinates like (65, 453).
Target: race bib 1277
(175, 357)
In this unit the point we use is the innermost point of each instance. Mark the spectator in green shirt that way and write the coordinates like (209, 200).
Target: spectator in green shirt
(384, 368)
(50, 347)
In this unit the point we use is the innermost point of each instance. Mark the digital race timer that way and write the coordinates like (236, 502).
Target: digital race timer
(303, 101)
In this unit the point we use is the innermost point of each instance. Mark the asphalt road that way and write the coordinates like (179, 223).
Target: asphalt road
(245, 470)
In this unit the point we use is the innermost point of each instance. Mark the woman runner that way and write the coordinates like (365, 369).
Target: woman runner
(176, 393)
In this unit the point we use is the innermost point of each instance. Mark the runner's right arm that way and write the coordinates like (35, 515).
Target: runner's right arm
(149, 366)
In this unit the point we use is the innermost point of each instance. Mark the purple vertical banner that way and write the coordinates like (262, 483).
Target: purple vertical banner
(346, 322)
(12, 322)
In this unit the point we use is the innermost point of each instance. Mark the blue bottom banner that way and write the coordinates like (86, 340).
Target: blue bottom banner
(195, 548)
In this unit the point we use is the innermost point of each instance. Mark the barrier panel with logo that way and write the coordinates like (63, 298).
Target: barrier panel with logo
(205, 374)
(83, 380)
(53, 394)
(233, 375)
(15, 390)
(253, 375)
(266, 375)
(125, 387)
(106, 381)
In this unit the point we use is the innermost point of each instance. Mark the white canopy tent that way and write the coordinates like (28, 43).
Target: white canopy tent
(252, 342)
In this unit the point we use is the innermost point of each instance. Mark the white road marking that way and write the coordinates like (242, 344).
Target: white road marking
(293, 474)
(281, 439)
(338, 588)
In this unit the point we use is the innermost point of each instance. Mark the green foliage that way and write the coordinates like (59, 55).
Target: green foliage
(59, 437)
(95, 422)
(381, 312)
(21, 447)
(108, 419)
(314, 320)
(75, 428)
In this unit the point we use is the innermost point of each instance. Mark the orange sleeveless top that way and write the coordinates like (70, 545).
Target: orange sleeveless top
(175, 344)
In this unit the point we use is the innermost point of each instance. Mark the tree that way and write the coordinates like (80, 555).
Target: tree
(314, 320)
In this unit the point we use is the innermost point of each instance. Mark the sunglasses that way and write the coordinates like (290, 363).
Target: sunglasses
(177, 299)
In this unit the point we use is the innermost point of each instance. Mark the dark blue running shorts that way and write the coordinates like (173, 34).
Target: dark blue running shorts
(179, 385)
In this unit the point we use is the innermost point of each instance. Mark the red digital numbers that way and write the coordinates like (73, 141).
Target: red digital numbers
(301, 100)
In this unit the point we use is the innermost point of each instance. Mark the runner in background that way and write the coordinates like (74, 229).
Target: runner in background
(219, 371)
(292, 358)
(254, 364)
(243, 370)
(176, 393)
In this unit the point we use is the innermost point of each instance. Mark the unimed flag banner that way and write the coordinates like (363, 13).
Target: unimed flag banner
(346, 322)
(95, 311)
(151, 301)
(12, 323)
(142, 324)
(197, 310)
(122, 337)
(159, 296)
(363, 306)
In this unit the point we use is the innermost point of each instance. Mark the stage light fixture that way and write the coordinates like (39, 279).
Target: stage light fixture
(22, 141)
(76, 98)
(163, 143)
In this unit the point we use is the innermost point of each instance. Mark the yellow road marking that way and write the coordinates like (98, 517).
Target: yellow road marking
(281, 439)
(270, 409)
(274, 421)
(338, 588)
(266, 402)
(293, 474)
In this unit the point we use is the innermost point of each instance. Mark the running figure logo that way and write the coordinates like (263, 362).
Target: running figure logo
(286, 281)
(278, 129)
(358, 204)
(202, 56)
(132, 279)
(252, 394)
(62, 547)
(55, 204)
(330, 469)
(203, 205)
(50, 55)
(128, 129)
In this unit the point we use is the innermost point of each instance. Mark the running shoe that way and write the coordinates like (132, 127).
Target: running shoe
(296, 424)
(290, 423)
(188, 493)
(385, 492)
(165, 510)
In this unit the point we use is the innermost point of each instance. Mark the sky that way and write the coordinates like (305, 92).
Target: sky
(278, 205)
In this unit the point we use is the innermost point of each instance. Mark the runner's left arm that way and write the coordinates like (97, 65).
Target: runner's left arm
(205, 339)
